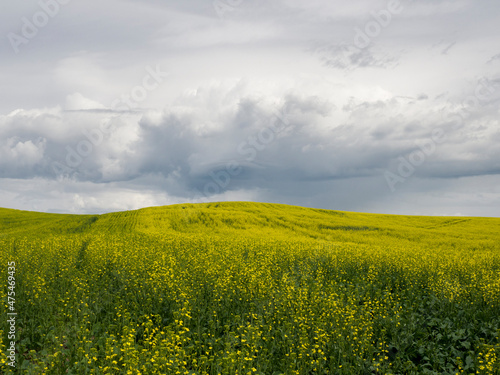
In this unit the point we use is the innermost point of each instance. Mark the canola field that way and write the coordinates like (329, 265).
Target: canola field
(249, 288)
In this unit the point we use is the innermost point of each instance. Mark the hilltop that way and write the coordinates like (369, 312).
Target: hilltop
(261, 219)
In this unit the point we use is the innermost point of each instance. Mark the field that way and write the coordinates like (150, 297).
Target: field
(250, 288)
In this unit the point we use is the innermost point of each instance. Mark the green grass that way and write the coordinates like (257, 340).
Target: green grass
(251, 288)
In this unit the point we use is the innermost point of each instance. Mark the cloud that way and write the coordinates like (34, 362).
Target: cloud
(348, 57)
(494, 58)
(77, 101)
(195, 143)
(274, 101)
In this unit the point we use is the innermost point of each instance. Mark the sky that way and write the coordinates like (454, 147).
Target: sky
(365, 105)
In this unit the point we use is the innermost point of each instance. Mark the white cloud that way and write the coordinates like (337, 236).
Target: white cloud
(77, 101)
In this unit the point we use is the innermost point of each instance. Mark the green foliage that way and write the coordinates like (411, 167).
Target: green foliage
(251, 288)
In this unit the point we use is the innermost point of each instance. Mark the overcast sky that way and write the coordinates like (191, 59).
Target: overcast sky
(364, 105)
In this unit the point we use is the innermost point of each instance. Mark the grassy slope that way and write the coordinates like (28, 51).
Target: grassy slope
(258, 219)
(274, 221)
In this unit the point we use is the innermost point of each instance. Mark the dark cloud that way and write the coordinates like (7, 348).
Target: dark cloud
(349, 57)
(494, 58)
